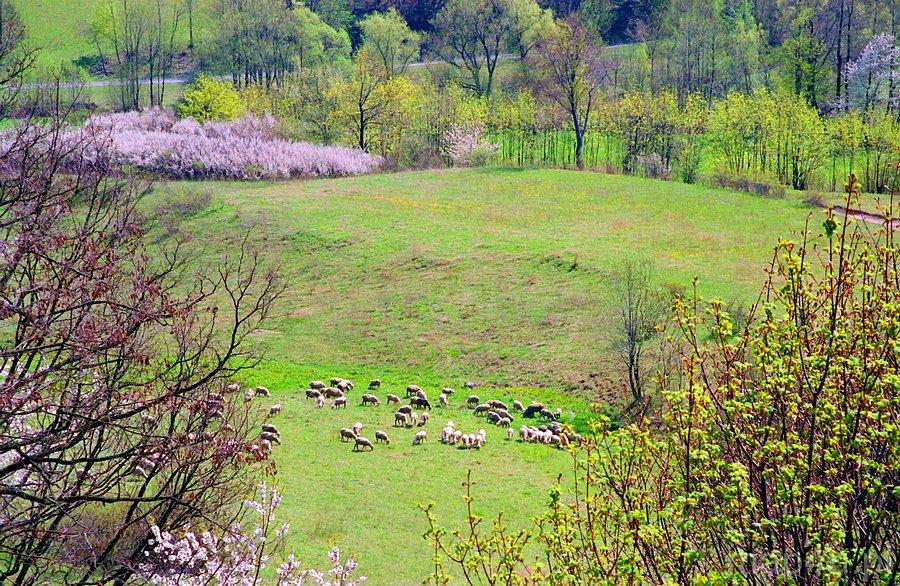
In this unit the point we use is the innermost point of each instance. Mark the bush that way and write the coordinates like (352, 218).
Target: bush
(756, 184)
(210, 99)
(157, 142)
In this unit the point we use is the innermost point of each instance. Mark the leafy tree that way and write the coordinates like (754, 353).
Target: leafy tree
(317, 43)
(572, 69)
(528, 25)
(335, 13)
(360, 99)
(210, 99)
(388, 36)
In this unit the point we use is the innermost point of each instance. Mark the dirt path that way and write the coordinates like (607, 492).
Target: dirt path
(867, 217)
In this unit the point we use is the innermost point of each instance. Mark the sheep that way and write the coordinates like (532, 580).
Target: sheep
(548, 436)
(557, 414)
(470, 385)
(406, 409)
(555, 427)
(413, 419)
(442, 400)
(345, 386)
(380, 436)
(482, 408)
(450, 423)
(357, 427)
(503, 413)
(274, 409)
(448, 391)
(420, 402)
(494, 403)
(320, 402)
(270, 437)
(466, 440)
(524, 434)
(361, 443)
(268, 427)
(374, 384)
(547, 414)
(509, 433)
(368, 399)
(478, 441)
(517, 406)
(392, 398)
(472, 400)
(399, 418)
(262, 391)
(248, 395)
(423, 419)
(335, 380)
(265, 446)
(492, 417)
(554, 440)
(412, 390)
(457, 436)
(313, 394)
(339, 403)
(347, 434)
(505, 422)
(232, 388)
(420, 437)
(533, 409)
(332, 393)
(317, 385)
(421, 394)
(447, 435)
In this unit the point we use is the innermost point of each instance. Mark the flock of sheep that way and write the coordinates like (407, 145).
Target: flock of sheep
(552, 432)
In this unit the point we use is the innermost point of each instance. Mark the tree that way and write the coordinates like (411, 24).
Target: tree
(210, 99)
(360, 99)
(528, 24)
(15, 56)
(388, 36)
(472, 35)
(572, 69)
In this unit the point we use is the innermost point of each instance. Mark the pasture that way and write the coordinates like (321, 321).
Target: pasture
(499, 276)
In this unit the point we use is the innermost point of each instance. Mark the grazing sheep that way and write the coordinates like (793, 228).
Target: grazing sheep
(407, 409)
(413, 419)
(509, 433)
(265, 446)
(262, 391)
(470, 385)
(347, 434)
(447, 435)
(274, 409)
(533, 409)
(313, 394)
(317, 385)
(368, 399)
(361, 443)
(498, 404)
(517, 406)
(412, 390)
(270, 437)
(269, 428)
(548, 436)
(503, 413)
(339, 403)
(442, 400)
(248, 395)
(451, 424)
(472, 400)
(421, 394)
(447, 391)
(554, 440)
(380, 436)
(504, 422)
(555, 427)
(492, 417)
(392, 398)
(320, 402)
(478, 441)
(482, 408)
(374, 384)
(420, 402)
(557, 414)
(420, 437)
(547, 414)
(357, 427)
(466, 440)
(345, 386)
(332, 393)
(423, 419)
(524, 434)
(399, 419)
(457, 436)
(335, 380)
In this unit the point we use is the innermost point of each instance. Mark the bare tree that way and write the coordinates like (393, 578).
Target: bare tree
(117, 407)
(643, 306)
(572, 68)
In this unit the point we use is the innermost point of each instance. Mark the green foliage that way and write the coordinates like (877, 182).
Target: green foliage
(388, 36)
(210, 99)
(778, 456)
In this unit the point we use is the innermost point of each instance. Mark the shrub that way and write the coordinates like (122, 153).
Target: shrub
(210, 99)
(756, 184)
(466, 146)
(248, 148)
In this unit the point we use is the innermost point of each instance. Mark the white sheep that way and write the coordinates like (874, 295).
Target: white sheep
(420, 437)
(466, 440)
(274, 409)
(423, 419)
(339, 403)
(357, 428)
(457, 436)
(517, 406)
(523, 433)
(413, 419)
(320, 402)
(442, 400)
(392, 398)
(509, 433)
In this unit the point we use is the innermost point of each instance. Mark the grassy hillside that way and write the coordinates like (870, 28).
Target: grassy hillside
(500, 276)
(55, 26)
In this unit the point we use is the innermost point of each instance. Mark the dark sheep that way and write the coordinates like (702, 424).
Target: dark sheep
(270, 437)
(412, 390)
(368, 399)
(406, 410)
(317, 384)
(332, 393)
(313, 394)
(447, 391)
(399, 419)
(361, 443)
(347, 434)
(473, 400)
(269, 428)
(345, 386)
(392, 398)
(494, 403)
(380, 436)
(420, 402)
(483, 408)
(492, 416)
(532, 410)
(374, 384)
(547, 414)
(335, 380)
(470, 385)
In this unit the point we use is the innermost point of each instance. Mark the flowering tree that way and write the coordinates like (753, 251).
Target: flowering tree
(873, 77)
(117, 409)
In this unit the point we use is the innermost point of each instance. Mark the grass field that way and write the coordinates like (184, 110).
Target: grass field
(500, 276)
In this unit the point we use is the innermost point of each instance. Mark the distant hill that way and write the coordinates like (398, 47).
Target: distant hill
(55, 26)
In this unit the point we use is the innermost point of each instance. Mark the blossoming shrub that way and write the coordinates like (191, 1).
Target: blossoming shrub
(158, 142)
(210, 99)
